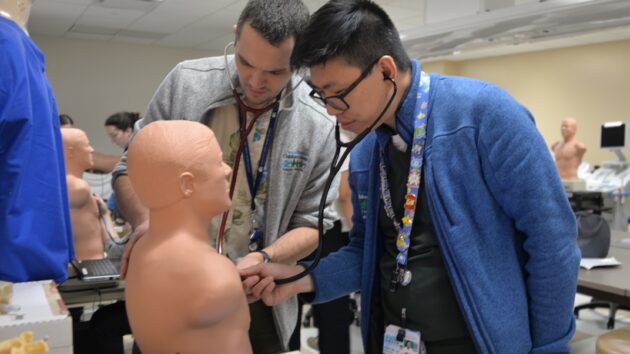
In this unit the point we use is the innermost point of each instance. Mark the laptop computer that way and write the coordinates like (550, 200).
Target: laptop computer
(96, 269)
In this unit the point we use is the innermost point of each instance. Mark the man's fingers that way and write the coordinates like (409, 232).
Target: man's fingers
(257, 290)
(253, 270)
(250, 282)
(268, 295)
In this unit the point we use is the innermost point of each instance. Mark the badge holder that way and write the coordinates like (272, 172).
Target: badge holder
(255, 238)
(399, 340)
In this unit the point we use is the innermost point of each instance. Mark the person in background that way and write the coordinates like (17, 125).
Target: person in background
(568, 153)
(35, 227)
(119, 127)
(65, 121)
(275, 203)
(463, 239)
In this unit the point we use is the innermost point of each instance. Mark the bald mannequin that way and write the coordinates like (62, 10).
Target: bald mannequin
(16, 10)
(87, 230)
(569, 152)
(182, 296)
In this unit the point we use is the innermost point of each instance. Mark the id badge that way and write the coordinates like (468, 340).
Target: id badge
(398, 340)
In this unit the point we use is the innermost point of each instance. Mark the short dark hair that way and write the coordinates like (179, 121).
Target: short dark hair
(123, 120)
(357, 30)
(65, 119)
(274, 20)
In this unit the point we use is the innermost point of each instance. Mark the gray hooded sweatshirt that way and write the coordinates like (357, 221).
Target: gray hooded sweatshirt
(194, 88)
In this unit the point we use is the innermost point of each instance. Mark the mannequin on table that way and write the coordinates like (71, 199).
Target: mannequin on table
(568, 153)
(86, 210)
(182, 296)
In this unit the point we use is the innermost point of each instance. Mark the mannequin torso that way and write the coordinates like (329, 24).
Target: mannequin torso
(200, 308)
(87, 230)
(181, 295)
(88, 233)
(569, 152)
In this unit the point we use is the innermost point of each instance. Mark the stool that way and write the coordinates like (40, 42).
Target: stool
(614, 342)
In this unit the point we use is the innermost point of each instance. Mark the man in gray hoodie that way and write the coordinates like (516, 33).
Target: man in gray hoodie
(283, 166)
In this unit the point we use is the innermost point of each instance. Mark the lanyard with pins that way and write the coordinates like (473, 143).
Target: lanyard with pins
(400, 275)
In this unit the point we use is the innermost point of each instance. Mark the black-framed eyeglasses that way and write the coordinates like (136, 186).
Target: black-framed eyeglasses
(337, 101)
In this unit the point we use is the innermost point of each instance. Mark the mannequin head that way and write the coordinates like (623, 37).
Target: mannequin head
(119, 127)
(179, 161)
(77, 150)
(568, 128)
(16, 10)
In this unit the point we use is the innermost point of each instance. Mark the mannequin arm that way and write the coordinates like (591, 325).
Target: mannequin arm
(104, 162)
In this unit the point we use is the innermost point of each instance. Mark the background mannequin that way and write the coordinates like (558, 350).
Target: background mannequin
(36, 237)
(88, 232)
(569, 152)
(177, 169)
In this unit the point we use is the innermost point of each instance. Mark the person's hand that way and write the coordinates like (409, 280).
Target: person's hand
(101, 205)
(267, 290)
(247, 261)
(138, 232)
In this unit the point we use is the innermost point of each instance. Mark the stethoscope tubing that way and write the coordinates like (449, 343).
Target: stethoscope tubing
(334, 170)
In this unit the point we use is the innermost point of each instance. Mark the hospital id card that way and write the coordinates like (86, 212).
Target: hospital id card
(398, 340)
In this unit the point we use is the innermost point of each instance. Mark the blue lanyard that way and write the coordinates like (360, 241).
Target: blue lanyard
(413, 182)
(255, 184)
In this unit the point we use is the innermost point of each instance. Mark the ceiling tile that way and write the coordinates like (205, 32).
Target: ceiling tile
(53, 19)
(162, 23)
(191, 7)
(99, 37)
(106, 17)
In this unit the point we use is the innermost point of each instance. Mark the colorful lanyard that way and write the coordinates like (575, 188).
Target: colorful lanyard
(400, 275)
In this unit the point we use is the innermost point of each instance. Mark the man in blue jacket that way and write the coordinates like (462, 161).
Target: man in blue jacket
(463, 238)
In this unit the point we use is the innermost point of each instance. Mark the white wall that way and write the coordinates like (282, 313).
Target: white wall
(94, 79)
(590, 83)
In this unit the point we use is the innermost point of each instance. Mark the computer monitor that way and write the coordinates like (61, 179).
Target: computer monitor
(613, 135)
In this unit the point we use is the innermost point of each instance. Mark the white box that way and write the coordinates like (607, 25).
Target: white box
(42, 312)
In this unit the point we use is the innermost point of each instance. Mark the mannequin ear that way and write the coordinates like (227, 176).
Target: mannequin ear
(186, 184)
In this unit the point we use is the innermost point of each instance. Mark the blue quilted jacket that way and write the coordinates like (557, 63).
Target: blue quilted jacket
(503, 221)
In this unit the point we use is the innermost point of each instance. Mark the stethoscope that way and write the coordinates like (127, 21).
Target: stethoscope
(335, 166)
(244, 130)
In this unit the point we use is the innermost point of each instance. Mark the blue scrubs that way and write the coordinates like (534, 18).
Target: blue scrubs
(35, 229)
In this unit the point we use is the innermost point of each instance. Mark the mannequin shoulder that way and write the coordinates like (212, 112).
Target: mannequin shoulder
(79, 191)
(581, 146)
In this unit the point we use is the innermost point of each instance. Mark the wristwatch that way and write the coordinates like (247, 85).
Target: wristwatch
(266, 258)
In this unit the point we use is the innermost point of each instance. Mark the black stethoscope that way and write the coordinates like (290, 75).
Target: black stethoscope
(335, 166)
